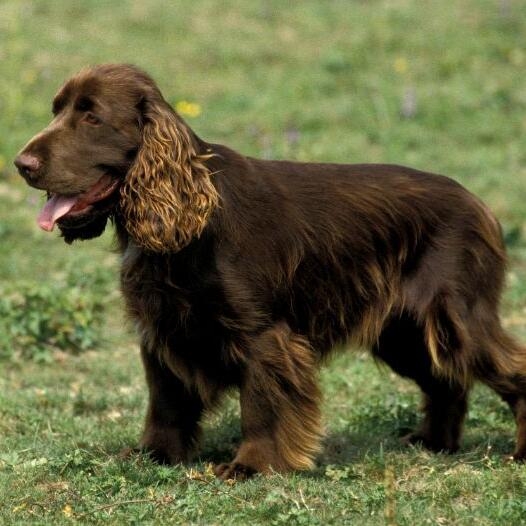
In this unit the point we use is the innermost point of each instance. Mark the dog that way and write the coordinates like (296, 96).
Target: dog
(244, 273)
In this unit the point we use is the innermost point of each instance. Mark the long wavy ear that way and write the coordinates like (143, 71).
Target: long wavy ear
(167, 196)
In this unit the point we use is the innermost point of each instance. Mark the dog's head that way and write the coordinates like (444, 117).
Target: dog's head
(116, 148)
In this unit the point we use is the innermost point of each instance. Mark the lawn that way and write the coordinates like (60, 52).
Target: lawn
(436, 85)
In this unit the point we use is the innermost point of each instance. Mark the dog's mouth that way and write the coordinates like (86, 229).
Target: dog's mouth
(63, 207)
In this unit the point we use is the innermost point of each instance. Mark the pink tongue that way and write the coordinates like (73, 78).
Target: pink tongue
(56, 207)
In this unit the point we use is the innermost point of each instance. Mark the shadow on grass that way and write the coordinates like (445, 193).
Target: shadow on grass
(343, 446)
(369, 435)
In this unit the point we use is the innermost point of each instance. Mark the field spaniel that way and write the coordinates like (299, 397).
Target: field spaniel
(243, 273)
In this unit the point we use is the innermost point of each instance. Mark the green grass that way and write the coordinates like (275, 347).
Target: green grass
(334, 81)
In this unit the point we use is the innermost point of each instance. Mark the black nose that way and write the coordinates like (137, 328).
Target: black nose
(28, 165)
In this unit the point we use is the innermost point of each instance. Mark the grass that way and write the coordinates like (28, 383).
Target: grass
(434, 86)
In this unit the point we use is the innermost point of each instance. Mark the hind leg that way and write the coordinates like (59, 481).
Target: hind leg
(519, 410)
(500, 362)
(402, 346)
(518, 407)
(510, 387)
(445, 407)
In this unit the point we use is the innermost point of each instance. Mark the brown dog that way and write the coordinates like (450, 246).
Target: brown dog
(245, 273)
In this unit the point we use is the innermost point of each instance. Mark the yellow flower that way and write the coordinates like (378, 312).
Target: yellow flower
(400, 65)
(29, 76)
(188, 109)
(67, 511)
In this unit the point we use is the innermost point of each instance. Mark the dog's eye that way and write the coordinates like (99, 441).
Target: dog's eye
(91, 118)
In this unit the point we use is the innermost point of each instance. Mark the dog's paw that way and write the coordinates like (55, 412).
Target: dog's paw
(233, 471)
(437, 446)
(518, 456)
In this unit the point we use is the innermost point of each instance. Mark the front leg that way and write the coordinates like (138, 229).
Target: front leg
(280, 414)
(172, 429)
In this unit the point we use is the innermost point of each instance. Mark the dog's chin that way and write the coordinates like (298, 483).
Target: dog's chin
(89, 224)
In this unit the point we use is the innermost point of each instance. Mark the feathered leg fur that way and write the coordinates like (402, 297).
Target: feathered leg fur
(280, 413)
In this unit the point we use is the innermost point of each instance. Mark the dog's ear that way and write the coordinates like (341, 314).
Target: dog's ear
(167, 196)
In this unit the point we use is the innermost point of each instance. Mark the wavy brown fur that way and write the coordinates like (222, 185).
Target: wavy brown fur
(167, 196)
(243, 273)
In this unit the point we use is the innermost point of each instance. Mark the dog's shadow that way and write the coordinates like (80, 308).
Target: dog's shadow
(339, 446)
(373, 431)
(373, 435)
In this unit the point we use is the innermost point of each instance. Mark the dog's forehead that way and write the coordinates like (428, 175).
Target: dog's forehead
(79, 86)
(105, 90)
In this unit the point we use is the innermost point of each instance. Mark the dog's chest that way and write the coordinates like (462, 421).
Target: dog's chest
(178, 314)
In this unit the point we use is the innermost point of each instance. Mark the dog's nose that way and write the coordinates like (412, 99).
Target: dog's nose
(28, 165)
